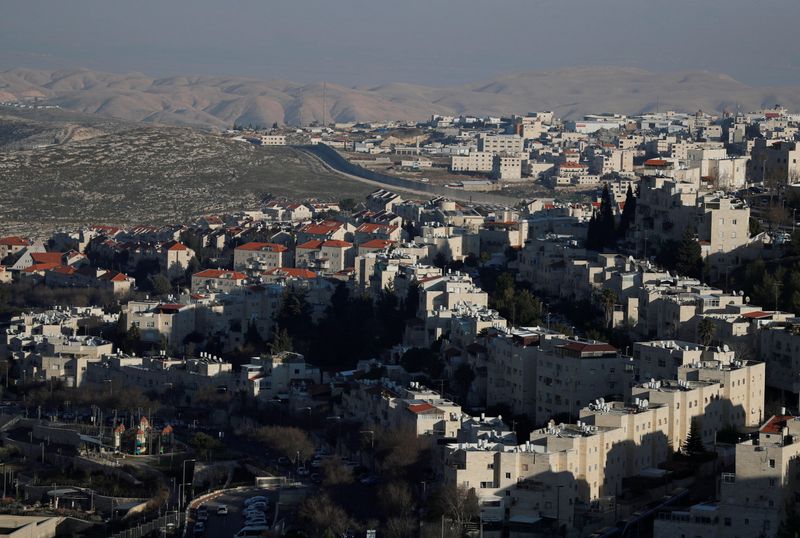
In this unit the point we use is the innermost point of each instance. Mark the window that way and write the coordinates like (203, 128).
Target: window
(772, 464)
(508, 475)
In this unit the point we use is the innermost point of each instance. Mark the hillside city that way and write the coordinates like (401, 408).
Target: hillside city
(531, 327)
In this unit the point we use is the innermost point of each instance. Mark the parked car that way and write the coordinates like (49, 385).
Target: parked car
(260, 506)
(255, 499)
(222, 510)
(199, 528)
(253, 512)
(251, 530)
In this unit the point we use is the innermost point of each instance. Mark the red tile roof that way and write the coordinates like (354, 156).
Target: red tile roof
(170, 307)
(220, 273)
(656, 162)
(14, 241)
(421, 408)
(776, 424)
(292, 272)
(176, 245)
(313, 244)
(335, 243)
(371, 227)
(47, 257)
(115, 276)
(40, 267)
(271, 247)
(586, 347)
(376, 244)
(323, 228)
(64, 270)
(756, 315)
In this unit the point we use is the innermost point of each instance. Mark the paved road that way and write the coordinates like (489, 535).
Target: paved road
(423, 190)
(226, 526)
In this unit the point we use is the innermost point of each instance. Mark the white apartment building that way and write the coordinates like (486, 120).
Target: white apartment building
(572, 373)
(661, 359)
(779, 347)
(501, 143)
(507, 167)
(447, 291)
(474, 161)
(261, 256)
(154, 321)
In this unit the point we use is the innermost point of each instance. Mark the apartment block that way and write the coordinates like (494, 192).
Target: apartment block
(501, 144)
(261, 256)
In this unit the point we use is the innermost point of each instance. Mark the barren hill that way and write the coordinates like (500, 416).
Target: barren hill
(62, 169)
(222, 101)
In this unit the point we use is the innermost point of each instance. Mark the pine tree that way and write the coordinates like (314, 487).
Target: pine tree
(282, 341)
(689, 257)
(694, 442)
(607, 224)
(593, 241)
(628, 213)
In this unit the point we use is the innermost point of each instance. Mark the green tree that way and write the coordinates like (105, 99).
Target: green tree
(688, 257)
(693, 445)
(607, 299)
(347, 204)
(161, 284)
(705, 330)
(281, 341)
(205, 445)
(628, 214)
(420, 359)
(132, 341)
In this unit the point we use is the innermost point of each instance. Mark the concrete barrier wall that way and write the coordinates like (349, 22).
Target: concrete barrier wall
(336, 161)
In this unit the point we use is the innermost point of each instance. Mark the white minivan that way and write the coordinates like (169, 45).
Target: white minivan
(251, 530)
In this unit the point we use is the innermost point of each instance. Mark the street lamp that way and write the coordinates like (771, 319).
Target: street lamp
(183, 483)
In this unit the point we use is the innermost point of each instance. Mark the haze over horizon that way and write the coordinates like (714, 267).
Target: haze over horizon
(447, 42)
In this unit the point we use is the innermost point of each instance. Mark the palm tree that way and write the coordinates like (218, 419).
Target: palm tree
(607, 299)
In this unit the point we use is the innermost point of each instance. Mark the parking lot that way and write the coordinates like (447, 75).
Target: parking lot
(225, 526)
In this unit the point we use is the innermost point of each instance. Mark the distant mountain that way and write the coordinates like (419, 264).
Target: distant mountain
(222, 101)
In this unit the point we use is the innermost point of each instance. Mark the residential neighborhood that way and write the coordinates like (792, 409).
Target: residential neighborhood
(613, 353)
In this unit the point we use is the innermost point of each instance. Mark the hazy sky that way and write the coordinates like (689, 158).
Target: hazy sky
(440, 42)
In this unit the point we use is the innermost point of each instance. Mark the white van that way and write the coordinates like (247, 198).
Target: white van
(251, 530)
